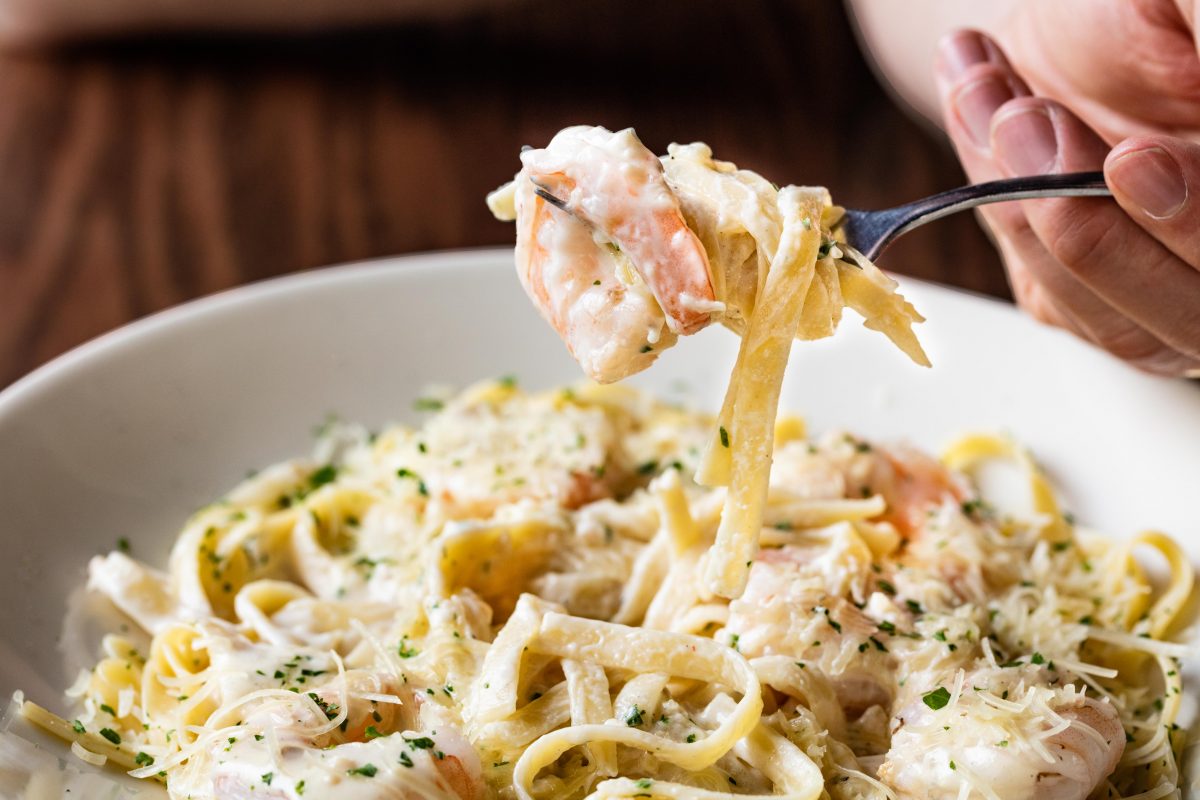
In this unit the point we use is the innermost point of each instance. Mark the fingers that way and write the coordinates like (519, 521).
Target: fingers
(1095, 239)
(974, 93)
(974, 80)
(1078, 264)
(1154, 179)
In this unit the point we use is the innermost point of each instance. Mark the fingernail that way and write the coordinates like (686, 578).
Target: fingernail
(1025, 142)
(1153, 179)
(963, 49)
(975, 104)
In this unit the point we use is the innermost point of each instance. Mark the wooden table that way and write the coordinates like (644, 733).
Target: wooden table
(138, 175)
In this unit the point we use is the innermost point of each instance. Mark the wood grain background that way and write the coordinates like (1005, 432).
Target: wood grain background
(135, 175)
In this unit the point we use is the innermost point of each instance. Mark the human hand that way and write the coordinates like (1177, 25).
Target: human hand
(1124, 275)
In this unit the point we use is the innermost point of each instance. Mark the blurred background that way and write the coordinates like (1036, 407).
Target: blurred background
(141, 170)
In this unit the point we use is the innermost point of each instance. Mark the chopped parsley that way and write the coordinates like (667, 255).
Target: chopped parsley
(77, 726)
(974, 507)
(937, 699)
(324, 475)
(634, 717)
(111, 735)
(724, 437)
(268, 777)
(366, 771)
(405, 760)
(330, 709)
(885, 587)
(405, 650)
(143, 759)
(420, 743)
(405, 472)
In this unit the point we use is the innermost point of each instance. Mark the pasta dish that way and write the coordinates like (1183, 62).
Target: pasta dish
(590, 593)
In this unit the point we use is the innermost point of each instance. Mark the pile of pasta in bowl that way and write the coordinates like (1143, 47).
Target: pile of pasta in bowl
(587, 592)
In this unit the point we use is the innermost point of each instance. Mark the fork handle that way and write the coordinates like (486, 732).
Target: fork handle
(901, 219)
(1071, 184)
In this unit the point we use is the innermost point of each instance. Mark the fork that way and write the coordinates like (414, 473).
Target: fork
(870, 232)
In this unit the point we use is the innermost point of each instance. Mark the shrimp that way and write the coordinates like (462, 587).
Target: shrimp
(364, 718)
(916, 483)
(284, 740)
(621, 275)
(787, 610)
(1054, 747)
(926, 510)
(911, 482)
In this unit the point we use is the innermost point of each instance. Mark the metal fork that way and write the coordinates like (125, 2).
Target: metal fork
(870, 232)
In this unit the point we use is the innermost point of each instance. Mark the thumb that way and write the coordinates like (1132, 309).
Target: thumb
(1155, 179)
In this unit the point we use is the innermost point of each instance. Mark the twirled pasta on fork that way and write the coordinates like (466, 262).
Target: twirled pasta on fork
(636, 250)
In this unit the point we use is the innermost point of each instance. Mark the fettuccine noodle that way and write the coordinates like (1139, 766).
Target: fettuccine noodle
(372, 623)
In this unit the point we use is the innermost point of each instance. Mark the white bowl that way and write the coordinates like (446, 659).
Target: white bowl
(127, 435)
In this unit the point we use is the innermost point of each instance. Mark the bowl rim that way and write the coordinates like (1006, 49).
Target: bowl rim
(128, 332)
(420, 261)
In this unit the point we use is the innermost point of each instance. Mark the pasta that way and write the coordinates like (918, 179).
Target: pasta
(362, 624)
(663, 247)
(588, 593)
